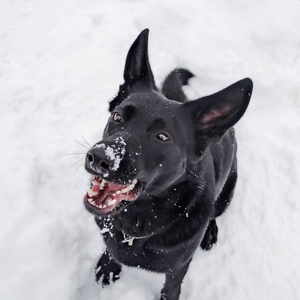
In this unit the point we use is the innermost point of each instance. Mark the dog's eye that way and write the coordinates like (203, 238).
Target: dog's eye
(116, 117)
(163, 137)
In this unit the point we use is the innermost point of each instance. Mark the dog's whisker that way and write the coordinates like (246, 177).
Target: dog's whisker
(85, 141)
(81, 166)
(76, 165)
(68, 154)
(77, 142)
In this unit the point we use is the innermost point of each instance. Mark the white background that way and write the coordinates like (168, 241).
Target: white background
(60, 64)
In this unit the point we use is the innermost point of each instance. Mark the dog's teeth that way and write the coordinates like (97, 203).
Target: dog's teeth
(95, 183)
(111, 202)
(124, 190)
(102, 184)
(131, 187)
(128, 188)
(91, 193)
(92, 201)
(101, 206)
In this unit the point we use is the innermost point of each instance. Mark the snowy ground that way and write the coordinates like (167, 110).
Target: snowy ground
(60, 63)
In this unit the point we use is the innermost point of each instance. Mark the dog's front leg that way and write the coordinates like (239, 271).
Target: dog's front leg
(105, 266)
(172, 286)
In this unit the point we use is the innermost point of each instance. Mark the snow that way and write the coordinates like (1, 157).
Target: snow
(114, 153)
(60, 64)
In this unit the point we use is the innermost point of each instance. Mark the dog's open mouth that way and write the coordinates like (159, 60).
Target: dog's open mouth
(104, 196)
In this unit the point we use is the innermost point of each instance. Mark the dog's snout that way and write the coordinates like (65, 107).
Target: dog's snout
(97, 161)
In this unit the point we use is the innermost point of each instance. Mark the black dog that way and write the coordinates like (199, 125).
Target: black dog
(165, 169)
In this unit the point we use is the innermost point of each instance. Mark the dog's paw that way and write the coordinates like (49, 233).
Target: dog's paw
(210, 236)
(105, 267)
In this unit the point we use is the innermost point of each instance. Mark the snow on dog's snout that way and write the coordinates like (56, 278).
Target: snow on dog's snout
(114, 152)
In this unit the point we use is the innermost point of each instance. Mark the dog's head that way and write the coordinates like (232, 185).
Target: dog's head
(149, 140)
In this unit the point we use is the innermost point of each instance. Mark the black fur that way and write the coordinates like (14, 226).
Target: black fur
(172, 85)
(185, 181)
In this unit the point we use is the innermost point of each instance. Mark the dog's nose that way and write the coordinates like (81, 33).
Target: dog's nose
(97, 161)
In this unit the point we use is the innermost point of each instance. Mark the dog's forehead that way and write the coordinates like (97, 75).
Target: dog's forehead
(151, 104)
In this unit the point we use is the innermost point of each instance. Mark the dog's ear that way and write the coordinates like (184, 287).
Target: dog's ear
(137, 72)
(216, 113)
(137, 66)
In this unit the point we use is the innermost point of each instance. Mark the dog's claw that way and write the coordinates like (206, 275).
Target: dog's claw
(107, 266)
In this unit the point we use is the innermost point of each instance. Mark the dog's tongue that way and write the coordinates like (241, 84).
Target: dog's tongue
(106, 195)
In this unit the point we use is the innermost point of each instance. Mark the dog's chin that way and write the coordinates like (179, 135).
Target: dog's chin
(104, 196)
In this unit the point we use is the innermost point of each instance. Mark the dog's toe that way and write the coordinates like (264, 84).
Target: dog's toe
(105, 276)
(105, 279)
(210, 236)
